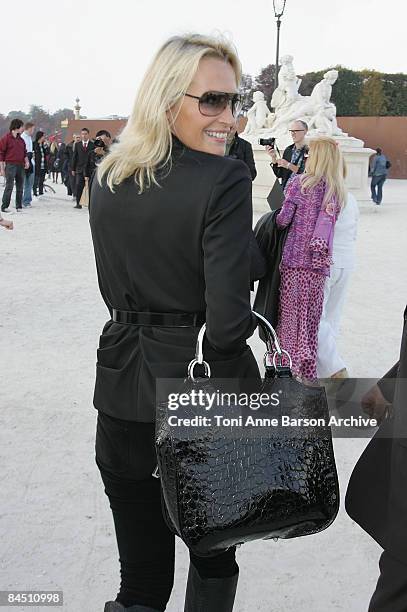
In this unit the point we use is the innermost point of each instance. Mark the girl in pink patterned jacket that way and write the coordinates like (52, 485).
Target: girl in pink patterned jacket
(313, 201)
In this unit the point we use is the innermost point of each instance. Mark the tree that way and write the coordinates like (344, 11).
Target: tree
(62, 114)
(41, 118)
(346, 92)
(17, 115)
(265, 82)
(246, 89)
(308, 82)
(395, 91)
(372, 102)
(4, 124)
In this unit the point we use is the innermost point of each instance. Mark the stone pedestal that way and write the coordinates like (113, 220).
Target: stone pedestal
(357, 164)
(264, 180)
(356, 158)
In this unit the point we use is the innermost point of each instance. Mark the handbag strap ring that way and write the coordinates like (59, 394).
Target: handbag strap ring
(199, 360)
(195, 362)
(280, 357)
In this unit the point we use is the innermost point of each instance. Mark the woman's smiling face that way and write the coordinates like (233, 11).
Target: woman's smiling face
(196, 131)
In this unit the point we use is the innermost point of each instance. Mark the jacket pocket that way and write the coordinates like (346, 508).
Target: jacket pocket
(116, 355)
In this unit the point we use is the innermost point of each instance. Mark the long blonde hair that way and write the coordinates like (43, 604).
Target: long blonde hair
(325, 162)
(145, 143)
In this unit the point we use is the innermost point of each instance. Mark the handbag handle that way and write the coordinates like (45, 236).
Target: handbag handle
(273, 352)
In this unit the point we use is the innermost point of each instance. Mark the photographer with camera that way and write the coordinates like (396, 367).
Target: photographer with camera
(294, 156)
(102, 142)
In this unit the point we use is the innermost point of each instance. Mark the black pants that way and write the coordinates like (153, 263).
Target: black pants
(79, 186)
(125, 455)
(66, 179)
(14, 172)
(72, 183)
(39, 179)
(391, 590)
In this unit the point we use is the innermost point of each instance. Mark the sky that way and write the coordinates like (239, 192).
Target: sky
(98, 50)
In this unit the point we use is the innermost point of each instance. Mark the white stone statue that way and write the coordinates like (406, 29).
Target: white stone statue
(316, 110)
(323, 119)
(257, 115)
(288, 85)
(288, 104)
(299, 109)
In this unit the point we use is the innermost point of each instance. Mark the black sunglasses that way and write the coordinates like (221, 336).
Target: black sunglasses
(213, 103)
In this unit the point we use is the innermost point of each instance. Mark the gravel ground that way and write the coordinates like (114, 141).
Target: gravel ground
(56, 530)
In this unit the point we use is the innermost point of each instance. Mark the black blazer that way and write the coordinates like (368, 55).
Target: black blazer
(377, 493)
(181, 247)
(81, 156)
(283, 173)
(68, 153)
(241, 149)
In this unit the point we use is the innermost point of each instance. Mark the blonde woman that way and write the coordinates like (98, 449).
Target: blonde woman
(171, 225)
(306, 258)
(52, 161)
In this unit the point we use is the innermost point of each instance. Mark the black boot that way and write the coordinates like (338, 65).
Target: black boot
(115, 606)
(209, 594)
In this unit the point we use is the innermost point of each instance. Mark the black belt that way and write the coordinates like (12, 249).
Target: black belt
(162, 319)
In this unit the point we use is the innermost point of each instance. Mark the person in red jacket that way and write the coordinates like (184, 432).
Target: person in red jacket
(13, 161)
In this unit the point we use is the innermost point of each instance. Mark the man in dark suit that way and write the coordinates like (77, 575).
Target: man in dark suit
(80, 160)
(102, 142)
(294, 156)
(377, 491)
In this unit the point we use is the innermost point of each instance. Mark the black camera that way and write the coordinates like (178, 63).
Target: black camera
(267, 142)
(99, 143)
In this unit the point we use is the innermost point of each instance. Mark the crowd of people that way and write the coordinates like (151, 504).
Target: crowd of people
(26, 160)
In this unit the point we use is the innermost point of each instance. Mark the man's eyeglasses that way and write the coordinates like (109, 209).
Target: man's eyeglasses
(294, 131)
(213, 103)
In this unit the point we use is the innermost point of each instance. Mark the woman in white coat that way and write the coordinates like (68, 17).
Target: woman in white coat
(329, 362)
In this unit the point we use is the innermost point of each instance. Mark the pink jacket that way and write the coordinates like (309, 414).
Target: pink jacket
(301, 210)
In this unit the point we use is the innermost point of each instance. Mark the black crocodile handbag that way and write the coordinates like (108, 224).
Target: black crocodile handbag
(226, 485)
